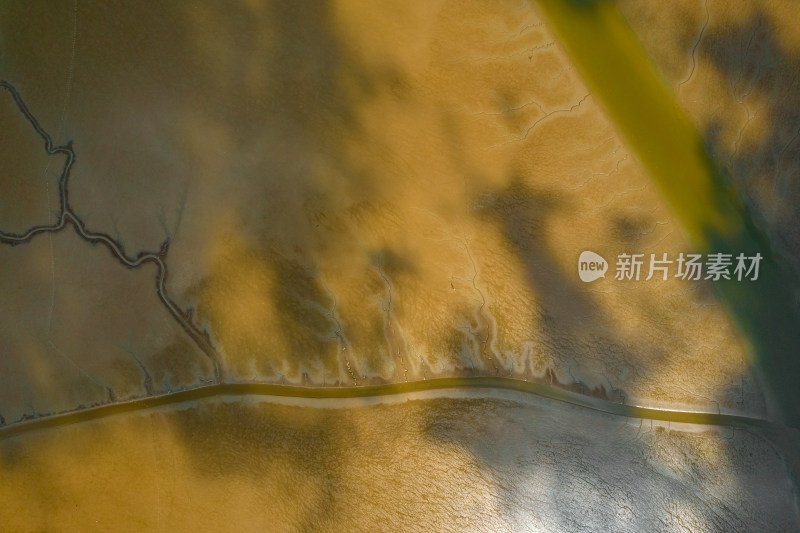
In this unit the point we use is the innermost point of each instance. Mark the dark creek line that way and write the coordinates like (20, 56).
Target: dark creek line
(67, 215)
(489, 384)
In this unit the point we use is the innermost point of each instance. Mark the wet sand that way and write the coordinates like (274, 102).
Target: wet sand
(446, 464)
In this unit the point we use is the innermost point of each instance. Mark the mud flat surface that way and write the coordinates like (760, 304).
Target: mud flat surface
(333, 196)
(443, 464)
(406, 203)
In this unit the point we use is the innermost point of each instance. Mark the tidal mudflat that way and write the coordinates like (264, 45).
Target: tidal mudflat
(459, 463)
(330, 196)
(408, 204)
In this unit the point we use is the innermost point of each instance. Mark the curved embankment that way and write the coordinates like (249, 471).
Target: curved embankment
(391, 389)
